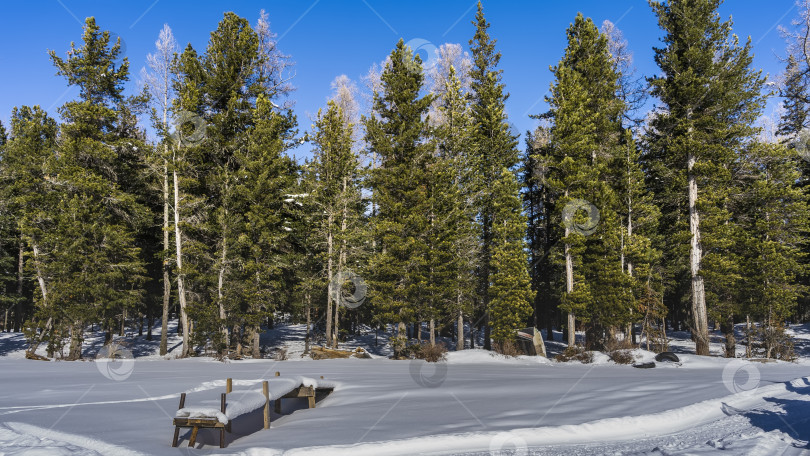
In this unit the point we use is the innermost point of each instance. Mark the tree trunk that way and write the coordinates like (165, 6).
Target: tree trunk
(569, 287)
(18, 315)
(701, 324)
(41, 281)
(309, 320)
(334, 289)
(167, 285)
(432, 332)
(181, 285)
(223, 328)
(76, 333)
(402, 339)
(460, 331)
(255, 349)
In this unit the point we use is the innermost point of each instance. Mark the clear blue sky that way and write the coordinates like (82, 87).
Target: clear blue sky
(327, 38)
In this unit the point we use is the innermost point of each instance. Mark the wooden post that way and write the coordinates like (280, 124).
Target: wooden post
(177, 428)
(278, 374)
(229, 385)
(222, 431)
(311, 399)
(266, 392)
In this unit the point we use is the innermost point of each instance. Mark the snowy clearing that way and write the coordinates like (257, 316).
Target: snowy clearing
(475, 403)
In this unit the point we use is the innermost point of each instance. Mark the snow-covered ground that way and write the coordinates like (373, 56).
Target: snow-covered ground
(472, 404)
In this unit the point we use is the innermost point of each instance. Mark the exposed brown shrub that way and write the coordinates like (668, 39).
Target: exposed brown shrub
(507, 348)
(430, 353)
(575, 353)
(621, 356)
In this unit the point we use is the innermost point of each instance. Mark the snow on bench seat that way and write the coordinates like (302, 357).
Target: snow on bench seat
(242, 401)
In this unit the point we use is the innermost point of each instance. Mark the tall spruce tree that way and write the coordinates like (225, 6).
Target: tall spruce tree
(795, 96)
(710, 99)
(95, 269)
(397, 133)
(335, 192)
(586, 136)
(454, 169)
(494, 147)
(511, 286)
(28, 204)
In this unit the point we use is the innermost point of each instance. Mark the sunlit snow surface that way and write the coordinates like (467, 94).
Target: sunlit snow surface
(473, 404)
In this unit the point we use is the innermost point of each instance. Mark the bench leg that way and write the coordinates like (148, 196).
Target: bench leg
(222, 437)
(193, 439)
(311, 400)
(176, 435)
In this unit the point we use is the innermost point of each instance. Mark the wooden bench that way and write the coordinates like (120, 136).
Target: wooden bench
(196, 424)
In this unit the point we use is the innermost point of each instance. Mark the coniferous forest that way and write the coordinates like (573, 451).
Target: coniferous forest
(641, 204)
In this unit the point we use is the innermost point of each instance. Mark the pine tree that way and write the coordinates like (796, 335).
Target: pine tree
(28, 205)
(494, 145)
(511, 285)
(396, 133)
(585, 139)
(795, 102)
(453, 174)
(93, 262)
(710, 101)
(336, 193)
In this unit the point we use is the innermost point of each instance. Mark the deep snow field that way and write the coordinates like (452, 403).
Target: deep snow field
(475, 403)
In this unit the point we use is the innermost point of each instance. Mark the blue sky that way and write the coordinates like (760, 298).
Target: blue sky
(327, 38)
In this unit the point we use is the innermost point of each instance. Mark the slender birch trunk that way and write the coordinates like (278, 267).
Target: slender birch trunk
(181, 282)
(167, 286)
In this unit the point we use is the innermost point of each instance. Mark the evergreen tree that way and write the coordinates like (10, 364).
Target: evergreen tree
(396, 133)
(794, 92)
(775, 220)
(95, 268)
(494, 147)
(453, 175)
(336, 193)
(586, 137)
(28, 204)
(710, 101)
(511, 285)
